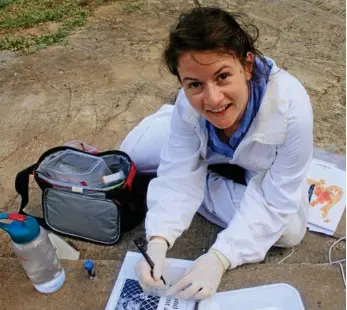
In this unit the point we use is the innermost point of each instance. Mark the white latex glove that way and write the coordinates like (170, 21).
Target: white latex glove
(156, 250)
(202, 279)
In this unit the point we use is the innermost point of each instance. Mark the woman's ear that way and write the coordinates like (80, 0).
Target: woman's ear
(249, 65)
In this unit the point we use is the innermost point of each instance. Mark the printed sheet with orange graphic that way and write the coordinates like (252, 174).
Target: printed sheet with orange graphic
(327, 189)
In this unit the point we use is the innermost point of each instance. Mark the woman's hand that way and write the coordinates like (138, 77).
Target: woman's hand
(156, 250)
(203, 278)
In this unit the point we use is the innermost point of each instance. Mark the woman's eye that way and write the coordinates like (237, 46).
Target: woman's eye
(223, 76)
(194, 84)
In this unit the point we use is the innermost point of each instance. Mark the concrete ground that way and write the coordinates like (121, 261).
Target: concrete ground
(107, 78)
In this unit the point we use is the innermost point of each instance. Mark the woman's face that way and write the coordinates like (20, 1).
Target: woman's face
(216, 85)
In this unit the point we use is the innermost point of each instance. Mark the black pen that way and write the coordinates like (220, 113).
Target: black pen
(139, 242)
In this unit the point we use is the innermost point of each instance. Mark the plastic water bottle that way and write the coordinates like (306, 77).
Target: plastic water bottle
(32, 246)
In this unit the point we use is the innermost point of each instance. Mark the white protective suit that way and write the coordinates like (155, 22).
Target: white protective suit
(276, 153)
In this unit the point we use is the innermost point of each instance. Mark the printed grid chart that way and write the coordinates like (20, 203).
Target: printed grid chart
(133, 298)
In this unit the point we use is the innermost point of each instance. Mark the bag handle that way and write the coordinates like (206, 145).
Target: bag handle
(22, 188)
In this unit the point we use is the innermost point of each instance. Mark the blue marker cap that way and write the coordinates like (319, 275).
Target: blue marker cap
(88, 265)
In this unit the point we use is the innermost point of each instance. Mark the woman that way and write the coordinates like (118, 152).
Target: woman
(235, 107)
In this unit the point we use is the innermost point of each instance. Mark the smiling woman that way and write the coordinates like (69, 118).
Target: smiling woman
(235, 147)
(216, 85)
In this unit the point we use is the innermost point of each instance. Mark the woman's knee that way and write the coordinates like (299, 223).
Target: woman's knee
(293, 234)
(144, 143)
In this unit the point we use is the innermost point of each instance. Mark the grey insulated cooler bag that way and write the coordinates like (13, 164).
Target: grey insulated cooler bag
(87, 196)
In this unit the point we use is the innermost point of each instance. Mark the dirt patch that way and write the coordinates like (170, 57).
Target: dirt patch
(108, 77)
(47, 28)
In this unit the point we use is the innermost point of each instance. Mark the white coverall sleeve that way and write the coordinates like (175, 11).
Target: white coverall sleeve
(178, 191)
(272, 198)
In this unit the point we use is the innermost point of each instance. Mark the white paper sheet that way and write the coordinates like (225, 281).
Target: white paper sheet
(128, 295)
(329, 196)
(315, 228)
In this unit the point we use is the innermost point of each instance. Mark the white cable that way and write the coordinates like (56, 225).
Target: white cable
(331, 247)
(330, 261)
(343, 274)
(338, 261)
(285, 258)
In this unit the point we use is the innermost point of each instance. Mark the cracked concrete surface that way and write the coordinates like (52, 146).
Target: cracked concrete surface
(109, 76)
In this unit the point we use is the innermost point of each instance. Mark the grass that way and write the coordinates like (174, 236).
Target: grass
(28, 43)
(132, 6)
(5, 3)
(18, 15)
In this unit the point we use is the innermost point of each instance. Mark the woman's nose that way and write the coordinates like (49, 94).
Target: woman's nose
(213, 95)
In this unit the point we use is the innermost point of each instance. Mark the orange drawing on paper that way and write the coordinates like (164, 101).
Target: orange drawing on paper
(328, 196)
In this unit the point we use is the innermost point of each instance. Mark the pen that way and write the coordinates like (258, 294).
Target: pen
(139, 242)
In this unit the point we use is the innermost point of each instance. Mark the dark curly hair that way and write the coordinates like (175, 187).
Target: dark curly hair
(211, 28)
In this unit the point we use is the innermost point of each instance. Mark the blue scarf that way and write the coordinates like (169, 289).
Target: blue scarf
(256, 93)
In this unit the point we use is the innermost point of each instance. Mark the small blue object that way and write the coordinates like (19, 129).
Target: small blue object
(89, 266)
